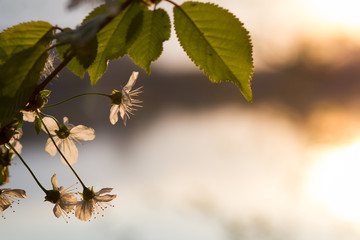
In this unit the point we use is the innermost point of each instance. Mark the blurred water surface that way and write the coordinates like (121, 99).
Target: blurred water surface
(227, 172)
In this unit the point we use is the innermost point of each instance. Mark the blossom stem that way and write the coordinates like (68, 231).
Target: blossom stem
(62, 155)
(46, 115)
(28, 168)
(79, 95)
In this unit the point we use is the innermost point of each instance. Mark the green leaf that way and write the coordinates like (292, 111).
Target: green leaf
(74, 65)
(217, 42)
(21, 37)
(3, 55)
(87, 53)
(84, 33)
(63, 50)
(115, 38)
(148, 46)
(37, 125)
(100, 10)
(82, 40)
(20, 75)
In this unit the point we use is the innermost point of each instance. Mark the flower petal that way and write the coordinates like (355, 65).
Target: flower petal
(105, 198)
(17, 145)
(68, 199)
(68, 202)
(54, 182)
(19, 193)
(67, 207)
(29, 116)
(124, 113)
(67, 124)
(4, 202)
(66, 120)
(84, 209)
(131, 81)
(57, 210)
(50, 124)
(83, 133)
(103, 190)
(122, 110)
(114, 114)
(49, 146)
(70, 151)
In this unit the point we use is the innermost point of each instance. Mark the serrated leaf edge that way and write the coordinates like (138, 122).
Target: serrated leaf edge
(249, 98)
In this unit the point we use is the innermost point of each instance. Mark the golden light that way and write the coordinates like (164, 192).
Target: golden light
(342, 13)
(334, 182)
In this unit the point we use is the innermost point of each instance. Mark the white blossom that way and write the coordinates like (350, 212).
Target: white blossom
(93, 203)
(8, 197)
(124, 102)
(29, 116)
(64, 201)
(65, 135)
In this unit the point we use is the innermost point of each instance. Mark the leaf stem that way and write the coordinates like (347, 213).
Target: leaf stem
(28, 168)
(173, 3)
(58, 28)
(79, 95)
(55, 46)
(54, 118)
(62, 155)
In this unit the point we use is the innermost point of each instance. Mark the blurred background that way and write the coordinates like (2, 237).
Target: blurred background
(199, 162)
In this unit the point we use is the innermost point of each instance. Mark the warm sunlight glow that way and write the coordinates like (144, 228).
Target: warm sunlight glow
(334, 181)
(345, 12)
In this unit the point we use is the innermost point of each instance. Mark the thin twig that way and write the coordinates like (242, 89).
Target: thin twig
(28, 168)
(79, 95)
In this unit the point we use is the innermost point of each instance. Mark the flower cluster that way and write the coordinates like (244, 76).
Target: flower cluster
(63, 138)
(66, 201)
